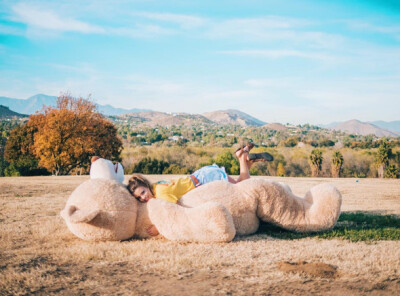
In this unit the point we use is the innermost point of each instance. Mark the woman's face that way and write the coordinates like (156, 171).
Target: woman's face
(142, 194)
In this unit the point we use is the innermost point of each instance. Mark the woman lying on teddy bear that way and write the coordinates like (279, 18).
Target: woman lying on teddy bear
(173, 190)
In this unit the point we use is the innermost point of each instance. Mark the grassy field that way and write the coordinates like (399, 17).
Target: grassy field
(361, 256)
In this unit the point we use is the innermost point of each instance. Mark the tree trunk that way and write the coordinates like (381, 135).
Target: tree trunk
(381, 171)
(314, 171)
(335, 172)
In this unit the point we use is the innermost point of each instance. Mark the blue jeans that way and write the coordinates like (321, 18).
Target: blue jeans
(210, 173)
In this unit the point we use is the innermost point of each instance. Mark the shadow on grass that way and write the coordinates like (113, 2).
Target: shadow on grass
(353, 226)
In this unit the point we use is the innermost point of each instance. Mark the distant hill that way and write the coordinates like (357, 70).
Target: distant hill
(153, 118)
(389, 125)
(329, 125)
(363, 128)
(30, 105)
(35, 103)
(5, 112)
(227, 117)
(276, 126)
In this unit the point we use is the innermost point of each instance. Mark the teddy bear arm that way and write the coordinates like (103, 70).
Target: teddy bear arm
(210, 222)
(75, 215)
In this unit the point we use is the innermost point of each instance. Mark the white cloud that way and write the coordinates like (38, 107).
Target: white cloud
(369, 27)
(49, 23)
(275, 54)
(272, 29)
(49, 20)
(151, 86)
(9, 30)
(183, 20)
(254, 25)
(141, 31)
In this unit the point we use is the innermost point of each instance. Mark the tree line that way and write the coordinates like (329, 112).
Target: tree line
(61, 141)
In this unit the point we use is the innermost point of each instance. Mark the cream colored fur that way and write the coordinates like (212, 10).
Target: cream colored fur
(254, 199)
(103, 209)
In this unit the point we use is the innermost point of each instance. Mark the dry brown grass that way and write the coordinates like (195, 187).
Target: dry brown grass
(38, 255)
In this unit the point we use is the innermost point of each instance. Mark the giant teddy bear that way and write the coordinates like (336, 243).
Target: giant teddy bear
(102, 209)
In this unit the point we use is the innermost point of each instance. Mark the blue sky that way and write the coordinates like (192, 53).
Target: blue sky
(279, 61)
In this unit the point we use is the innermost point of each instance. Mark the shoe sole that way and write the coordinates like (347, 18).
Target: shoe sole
(264, 156)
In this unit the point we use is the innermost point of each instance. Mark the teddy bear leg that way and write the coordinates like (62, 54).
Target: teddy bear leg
(318, 211)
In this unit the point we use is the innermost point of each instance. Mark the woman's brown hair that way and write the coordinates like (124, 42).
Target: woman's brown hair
(138, 180)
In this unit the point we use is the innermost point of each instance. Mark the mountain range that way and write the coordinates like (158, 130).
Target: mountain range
(153, 119)
(5, 113)
(365, 128)
(11, 107)
(36, 103)
(230, 116)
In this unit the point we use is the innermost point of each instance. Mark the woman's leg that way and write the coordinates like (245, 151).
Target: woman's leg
(244, 164)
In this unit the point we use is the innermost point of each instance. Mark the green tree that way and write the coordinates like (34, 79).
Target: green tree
(391, 171)
(3, 162)
(382, 157)
(150, 166)
(336, 164)
(19, 152)
(280, 171)
(228, 161)
(316, 162)
(175, 169)
(290, 142)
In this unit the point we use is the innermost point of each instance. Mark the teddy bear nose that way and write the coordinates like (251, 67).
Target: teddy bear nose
(94, 158)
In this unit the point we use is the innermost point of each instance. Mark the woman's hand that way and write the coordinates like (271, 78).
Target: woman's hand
(152, 230)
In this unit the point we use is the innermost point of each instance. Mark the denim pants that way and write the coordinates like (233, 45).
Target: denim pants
(210, 173)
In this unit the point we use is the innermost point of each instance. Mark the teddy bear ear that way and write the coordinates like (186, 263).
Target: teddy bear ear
(74, 215)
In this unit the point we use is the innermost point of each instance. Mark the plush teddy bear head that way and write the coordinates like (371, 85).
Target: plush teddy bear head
(101, 209)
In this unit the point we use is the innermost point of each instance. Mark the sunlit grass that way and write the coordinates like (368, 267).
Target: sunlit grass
(352, 226)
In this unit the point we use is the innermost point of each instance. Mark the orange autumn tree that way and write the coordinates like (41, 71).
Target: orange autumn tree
(68, 135)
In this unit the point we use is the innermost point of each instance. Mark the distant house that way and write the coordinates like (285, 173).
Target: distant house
(175, 138)
(300, 144)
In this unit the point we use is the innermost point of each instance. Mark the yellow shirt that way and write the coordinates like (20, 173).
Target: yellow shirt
(173, 190)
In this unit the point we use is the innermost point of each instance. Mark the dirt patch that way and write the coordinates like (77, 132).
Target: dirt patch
(318, 269)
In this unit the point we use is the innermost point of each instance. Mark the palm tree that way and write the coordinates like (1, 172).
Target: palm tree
(336, 164)
(316, 162)
(382, 157)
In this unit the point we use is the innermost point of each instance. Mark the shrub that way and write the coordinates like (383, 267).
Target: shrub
(228, 161)
(150, 166)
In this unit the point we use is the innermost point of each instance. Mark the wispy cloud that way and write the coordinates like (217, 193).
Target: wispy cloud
(276, 54)
(272, 29)
(370, 27)
(183, 20)
(256, 25)
(151, 86)
(11, 30)
(48, 20)
(141, 31)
